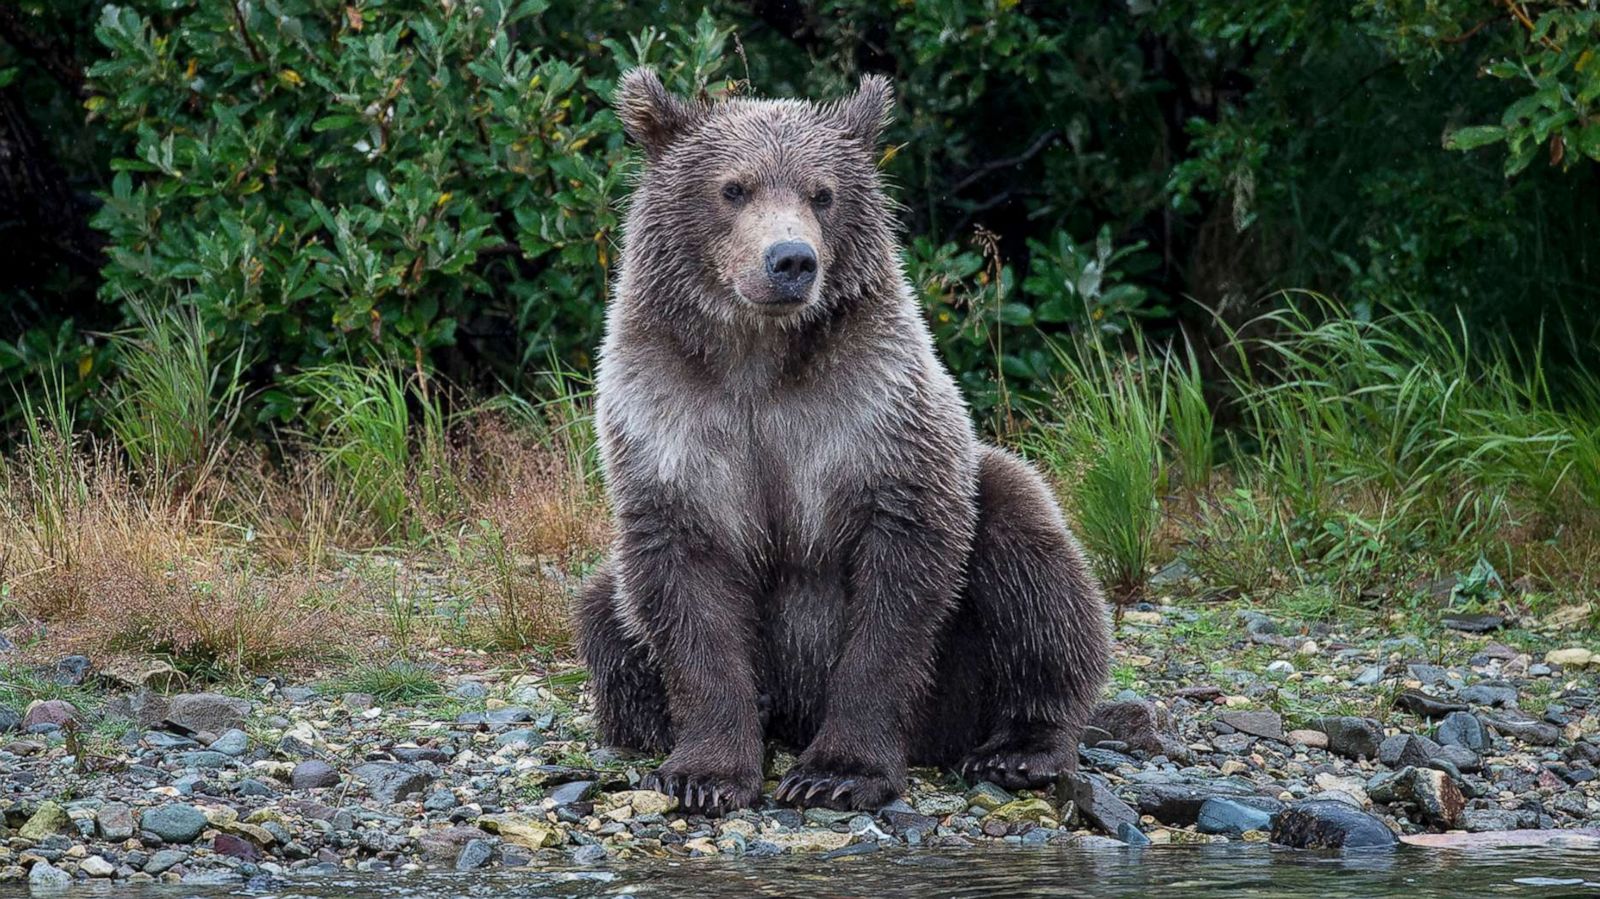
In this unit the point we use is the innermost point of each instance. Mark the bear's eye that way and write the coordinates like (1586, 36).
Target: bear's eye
(822, 199)
(733, 192)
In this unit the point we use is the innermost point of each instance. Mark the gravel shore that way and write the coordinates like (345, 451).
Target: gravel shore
(1222, 725)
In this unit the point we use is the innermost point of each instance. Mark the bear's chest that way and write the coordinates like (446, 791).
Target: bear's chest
(768, 470)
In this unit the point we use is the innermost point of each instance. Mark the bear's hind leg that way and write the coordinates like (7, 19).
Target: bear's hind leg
(1042, 618)
(630, 698)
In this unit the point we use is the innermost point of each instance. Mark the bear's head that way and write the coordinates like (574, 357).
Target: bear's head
(765, 209)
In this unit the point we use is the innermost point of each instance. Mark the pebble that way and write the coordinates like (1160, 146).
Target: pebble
(1311, 739)
(1572, 657)
(174, 823)
(390, 782)
(313, 774)
(1351, 737)
(233, 742)
(45, 877)
(1462, 729)
(474, 855)
(54, 713)
(1230, 818)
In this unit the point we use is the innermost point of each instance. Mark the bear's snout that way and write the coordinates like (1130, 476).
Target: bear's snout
(791, 267)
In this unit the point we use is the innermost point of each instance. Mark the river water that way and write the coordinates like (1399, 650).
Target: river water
(1197, 872)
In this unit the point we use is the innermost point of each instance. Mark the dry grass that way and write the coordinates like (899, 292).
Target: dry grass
(274, 567)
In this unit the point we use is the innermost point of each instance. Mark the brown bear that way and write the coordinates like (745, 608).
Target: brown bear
(812, 544)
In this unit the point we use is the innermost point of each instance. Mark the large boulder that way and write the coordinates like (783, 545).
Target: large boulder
(1326, 824)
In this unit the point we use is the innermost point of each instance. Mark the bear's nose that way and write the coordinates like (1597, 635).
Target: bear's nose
(791, 267)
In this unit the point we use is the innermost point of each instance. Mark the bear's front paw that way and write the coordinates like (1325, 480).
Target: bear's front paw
(1020, 762)
(704, 792)
(841, 786)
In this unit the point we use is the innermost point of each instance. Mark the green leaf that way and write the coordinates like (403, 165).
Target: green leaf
(1474, 136)
(1588, 140)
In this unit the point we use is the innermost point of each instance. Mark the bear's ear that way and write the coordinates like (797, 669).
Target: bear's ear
(865, 114)
(650, 113)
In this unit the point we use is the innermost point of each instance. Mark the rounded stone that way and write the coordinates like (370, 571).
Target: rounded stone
(176, 823)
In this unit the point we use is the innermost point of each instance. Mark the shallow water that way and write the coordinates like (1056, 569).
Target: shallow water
(1191, 872)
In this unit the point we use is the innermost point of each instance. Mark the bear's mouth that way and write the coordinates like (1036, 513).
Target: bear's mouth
(758, 295)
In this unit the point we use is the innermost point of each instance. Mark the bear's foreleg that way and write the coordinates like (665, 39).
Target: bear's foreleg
(693, 603)
(904, 576)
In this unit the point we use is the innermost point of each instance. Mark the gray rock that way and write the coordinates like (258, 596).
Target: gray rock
(1230, 818)
(568, 793)
(203, 759)
(440, 800)
(1431, 675)
(164, 860)
(1351, 737)
(10, 720)
(212, 878)
(313, 774)
(470, 690)
(115, 821)
(1179, 803)
(252, 787)
(207, 713)
(45, 877)
(1131, 835)
(1473, 624)
(1321, 824)
(1463, 729)
(71, 671)
(234, 742)
(1370, 676)
(474, 855)
(1528, 730)
(594, 854)
(1404, 750)
(509, 715)
(166, 742)
(1434, 794)
(1423, 705)
(1496, 695)
(298, 695)
(174, 823)
(1098, 805)
(390, 782)
(1257, 724)
(1487, 820)
(1461, 757)
(525, 735)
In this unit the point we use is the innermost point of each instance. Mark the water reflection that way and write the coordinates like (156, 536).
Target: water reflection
(1199, 872)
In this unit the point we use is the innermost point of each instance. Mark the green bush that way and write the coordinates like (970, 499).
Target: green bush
(356, 180)
(371, 182)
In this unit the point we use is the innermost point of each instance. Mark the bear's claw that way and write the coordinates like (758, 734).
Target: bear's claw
(709, 795)
(811, 789)
(1012, 770)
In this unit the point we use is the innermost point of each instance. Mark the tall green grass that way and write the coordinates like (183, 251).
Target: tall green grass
(47, 482)
(381, 437)
(1101, 435)
(174, 404)
(1363, 450)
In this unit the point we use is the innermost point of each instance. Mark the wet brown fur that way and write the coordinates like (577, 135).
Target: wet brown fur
(813, 546)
